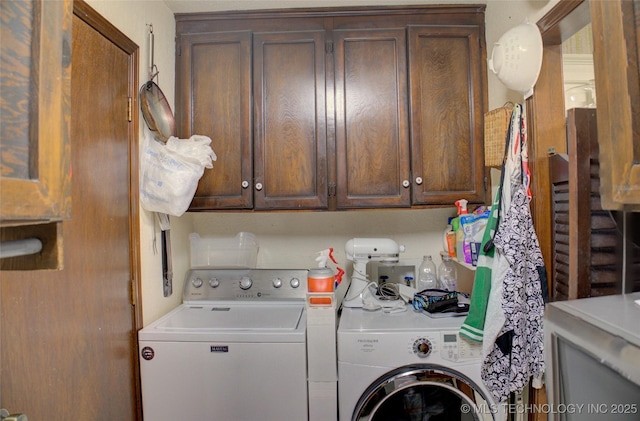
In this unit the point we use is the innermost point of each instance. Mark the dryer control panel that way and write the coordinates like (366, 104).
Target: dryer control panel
(446, 345)
(456, 348)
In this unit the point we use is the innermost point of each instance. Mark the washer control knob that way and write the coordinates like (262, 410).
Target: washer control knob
(277, 282)
(197, 282)
(214, 283)
(295, 282)
(422, 347)
(245, 283)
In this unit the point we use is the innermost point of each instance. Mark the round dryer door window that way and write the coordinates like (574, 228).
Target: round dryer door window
(421, 393)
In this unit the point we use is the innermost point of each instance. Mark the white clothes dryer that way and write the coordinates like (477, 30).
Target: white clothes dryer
(409, 366)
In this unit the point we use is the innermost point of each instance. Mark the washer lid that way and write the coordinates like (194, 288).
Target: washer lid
(230, 321)
(225, 316)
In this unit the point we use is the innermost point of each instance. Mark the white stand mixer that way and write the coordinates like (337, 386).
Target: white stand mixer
(362, 291)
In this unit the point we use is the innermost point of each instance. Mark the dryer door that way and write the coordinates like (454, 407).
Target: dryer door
(418, 393)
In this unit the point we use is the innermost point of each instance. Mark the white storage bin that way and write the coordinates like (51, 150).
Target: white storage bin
(240, 251)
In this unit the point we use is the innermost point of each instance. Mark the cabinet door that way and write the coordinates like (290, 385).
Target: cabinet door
(290, 138)
(372, 137)
(35, 66)
(447, 109)
(213, 86)
(616, 59)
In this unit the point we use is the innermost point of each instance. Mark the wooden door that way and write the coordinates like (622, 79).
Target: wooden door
(445, 76)
(588, 245)
(372, 132)
(214, 99)
(68, 336)
(290, 154)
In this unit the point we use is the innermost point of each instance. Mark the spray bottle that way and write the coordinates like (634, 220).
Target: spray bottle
(322, 278)
(462, 210)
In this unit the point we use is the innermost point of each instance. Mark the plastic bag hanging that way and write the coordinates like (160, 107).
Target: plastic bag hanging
(170, 172)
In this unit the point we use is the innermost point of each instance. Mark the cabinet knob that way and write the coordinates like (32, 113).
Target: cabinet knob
(258, 186)
(418, 180)
(406, 183)
(245, 184)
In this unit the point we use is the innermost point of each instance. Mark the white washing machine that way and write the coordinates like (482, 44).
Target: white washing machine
(408, 366)
(235, 350)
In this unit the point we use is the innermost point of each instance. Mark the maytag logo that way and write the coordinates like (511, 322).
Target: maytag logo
(219, 348)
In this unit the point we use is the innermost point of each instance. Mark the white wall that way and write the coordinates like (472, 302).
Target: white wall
(287, 239)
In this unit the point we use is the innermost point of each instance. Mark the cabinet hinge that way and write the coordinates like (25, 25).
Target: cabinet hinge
(129, 109)
(179, 50)
(328, 47)
(486, 184)
(332, 189)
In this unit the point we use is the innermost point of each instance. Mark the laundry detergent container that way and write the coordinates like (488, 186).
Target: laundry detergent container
(240, 251)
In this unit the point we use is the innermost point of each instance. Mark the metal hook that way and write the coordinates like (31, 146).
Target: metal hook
(153, 70)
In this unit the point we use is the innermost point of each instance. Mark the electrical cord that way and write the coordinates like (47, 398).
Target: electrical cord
(385, 296)
(388, 291)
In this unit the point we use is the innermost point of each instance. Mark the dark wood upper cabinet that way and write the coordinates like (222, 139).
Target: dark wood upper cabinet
(446, 87)
(372, 134)
(213, 81)
(335, 108)
(290, 156)
(616, 57)
(35, 80)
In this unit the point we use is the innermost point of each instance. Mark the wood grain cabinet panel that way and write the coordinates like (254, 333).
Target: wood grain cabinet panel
(616, 59)
(445, 74)
(290, 158)
(214, 99)
(372, 137)
(35, 81)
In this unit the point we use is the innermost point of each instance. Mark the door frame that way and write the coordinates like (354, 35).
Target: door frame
(86, 13)
(547, 129)
(545, 111)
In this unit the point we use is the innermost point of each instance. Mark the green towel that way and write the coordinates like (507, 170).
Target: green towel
(473, 326)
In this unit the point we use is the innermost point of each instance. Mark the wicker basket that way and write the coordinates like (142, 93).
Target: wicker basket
(496, 126)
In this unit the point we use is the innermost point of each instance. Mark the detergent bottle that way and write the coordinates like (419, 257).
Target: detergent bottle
(462, 210)
(447, 230)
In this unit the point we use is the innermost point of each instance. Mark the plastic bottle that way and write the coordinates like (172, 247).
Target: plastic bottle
(462, 210)
(447, 274)
(455, 226)
(451, 244)
(448, 229)
(427, 275)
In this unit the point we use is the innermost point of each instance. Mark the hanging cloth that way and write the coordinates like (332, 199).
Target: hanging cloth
(517, 353)
(513, 337)
(485, 318)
